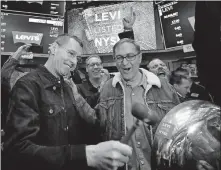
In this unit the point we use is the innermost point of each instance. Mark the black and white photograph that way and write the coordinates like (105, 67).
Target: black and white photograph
(110, 85)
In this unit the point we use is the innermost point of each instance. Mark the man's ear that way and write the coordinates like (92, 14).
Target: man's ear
(86, 68)
(52, 48)
(140, 57)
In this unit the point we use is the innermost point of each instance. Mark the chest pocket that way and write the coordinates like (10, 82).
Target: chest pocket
(52, 119)
(161, 107)
(50, 110)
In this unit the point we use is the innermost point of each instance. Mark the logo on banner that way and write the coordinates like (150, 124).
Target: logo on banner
(27, 37)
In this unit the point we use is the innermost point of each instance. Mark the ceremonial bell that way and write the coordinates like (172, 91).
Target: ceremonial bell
(188, 133)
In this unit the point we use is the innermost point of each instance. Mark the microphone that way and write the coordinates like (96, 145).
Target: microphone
(143, 113)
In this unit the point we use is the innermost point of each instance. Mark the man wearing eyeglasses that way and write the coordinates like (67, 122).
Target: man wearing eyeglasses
(131, 85)
(96, 77)
(44, 130)
(90, 90)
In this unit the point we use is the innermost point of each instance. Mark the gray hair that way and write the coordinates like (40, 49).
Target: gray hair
(92, 56)
(154, 59)
(124, 40)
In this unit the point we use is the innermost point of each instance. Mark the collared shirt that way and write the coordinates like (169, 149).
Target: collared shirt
(134, 95)
(89, 92)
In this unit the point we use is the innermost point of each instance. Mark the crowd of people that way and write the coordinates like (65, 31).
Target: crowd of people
(50, 122)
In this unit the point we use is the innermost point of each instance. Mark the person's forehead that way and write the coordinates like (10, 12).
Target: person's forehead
(94, 60)
(126, 47)
(185, 81)
(156, 62)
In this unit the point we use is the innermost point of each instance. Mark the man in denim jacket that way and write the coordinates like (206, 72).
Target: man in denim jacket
(129, 86)
(44, 129)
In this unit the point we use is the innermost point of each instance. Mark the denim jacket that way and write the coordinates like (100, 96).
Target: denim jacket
(44, 130)
(159, 96)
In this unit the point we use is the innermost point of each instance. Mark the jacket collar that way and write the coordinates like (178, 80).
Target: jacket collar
(49, 79)
(151, 78)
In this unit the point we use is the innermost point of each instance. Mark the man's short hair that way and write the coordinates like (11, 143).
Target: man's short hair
(124, 40)
(177, 76)
(148, 65)
(92, 56)
(63, 39)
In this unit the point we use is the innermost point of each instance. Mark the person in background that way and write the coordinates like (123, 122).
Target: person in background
(96, 77)
(181, 83)
(128, 23)
(90, 91)
(44, 126)
(197, 91)
(130, 85)
(11, 71)
(159, 68)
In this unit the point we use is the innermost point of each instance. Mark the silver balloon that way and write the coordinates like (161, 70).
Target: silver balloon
(188, 133)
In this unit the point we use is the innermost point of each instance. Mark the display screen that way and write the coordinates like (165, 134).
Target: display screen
(177, 20)
(98, 27)
(17, 29)
(40, 6)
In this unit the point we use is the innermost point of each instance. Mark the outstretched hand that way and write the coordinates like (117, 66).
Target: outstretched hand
(108, 155)
(129, 20)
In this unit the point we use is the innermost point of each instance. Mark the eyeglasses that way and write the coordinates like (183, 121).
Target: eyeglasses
(129, 57)
(93, 64)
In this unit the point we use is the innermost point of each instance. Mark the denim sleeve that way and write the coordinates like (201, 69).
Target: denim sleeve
(127, 34)
(7, 69)
(22, 133)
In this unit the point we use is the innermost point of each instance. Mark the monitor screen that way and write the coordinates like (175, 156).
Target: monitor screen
(17, 29)
(98, 27)
(177, 21)
(41, 7)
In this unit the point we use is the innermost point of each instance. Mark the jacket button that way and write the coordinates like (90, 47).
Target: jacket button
(51, 111)
(59, 81)
(142, 162)
(138, 143)
(66, 128)
(54, 87)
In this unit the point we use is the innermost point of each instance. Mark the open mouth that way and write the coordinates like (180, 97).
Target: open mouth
(126, 69)
(161, 74)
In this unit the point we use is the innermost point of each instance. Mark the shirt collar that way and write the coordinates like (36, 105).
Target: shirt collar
(91, 87)
(143, 81)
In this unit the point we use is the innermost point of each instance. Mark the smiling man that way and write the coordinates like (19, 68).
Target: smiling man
(90, 91)
(44, 130)
(96, 77)
(159, 68)
(132, 85)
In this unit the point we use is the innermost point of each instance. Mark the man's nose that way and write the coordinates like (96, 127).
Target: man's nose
(125, 61)
(73, 62)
